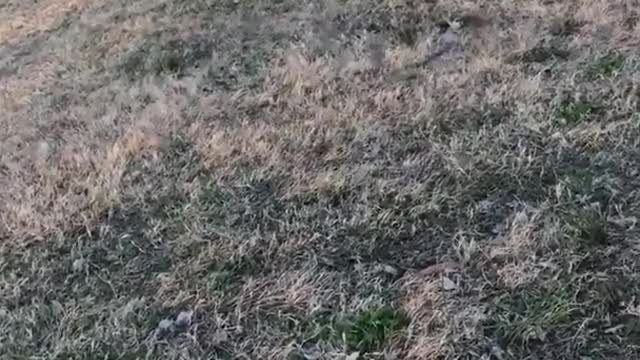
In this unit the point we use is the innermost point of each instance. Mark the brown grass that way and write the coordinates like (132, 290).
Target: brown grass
(375, 179)
(23, 21)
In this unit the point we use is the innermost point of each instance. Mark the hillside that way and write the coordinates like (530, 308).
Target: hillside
(367, 179)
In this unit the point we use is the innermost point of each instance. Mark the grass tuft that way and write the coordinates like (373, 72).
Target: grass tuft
(586, 226)
(371, 328)
(531, 316)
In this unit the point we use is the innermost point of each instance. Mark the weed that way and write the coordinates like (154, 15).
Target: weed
(365, 332)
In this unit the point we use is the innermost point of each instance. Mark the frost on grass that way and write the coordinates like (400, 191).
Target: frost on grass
(286, 180)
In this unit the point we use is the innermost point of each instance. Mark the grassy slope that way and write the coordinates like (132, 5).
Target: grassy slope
(308, 186)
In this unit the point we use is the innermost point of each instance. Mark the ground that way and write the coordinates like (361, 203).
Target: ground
(389, 179)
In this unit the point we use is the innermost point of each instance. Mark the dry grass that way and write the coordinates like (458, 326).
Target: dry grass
(375, 179)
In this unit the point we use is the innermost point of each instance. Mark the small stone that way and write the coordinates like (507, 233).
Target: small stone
(220, 337)
(78, 265)
(449, 40)
(455, 24)
(42, 151)
(183, 320)
(486, 205)
(313, 353)
(353, 356)
(165, 329)
(165, 325)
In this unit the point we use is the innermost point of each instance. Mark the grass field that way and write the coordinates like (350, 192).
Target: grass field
(388, 179)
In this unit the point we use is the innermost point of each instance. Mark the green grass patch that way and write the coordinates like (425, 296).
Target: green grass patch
(579, 180)
(532, 315)
(586, 226)
(222, 276)
(213, 202)
(369, 330)
(581, 184)
(174, 56)
(211, 196)
(607, 66)
(577, 112)
(364, 332)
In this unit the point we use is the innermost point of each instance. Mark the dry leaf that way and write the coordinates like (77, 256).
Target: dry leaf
(443, 267)
(448, 284)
